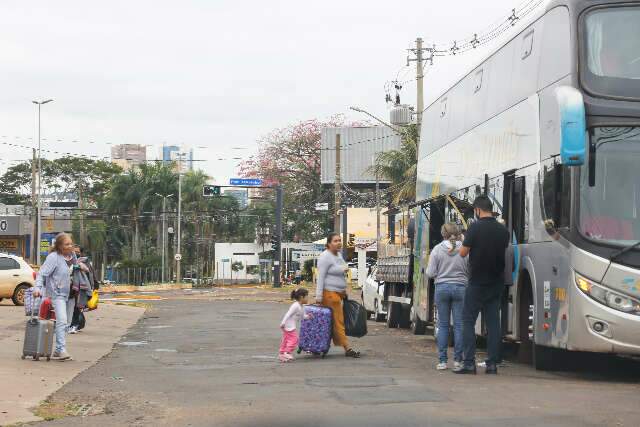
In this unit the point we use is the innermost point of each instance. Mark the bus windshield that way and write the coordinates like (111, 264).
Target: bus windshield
(610, 210)
(612, 49)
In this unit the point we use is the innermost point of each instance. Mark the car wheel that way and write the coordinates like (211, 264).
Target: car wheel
(18, 294)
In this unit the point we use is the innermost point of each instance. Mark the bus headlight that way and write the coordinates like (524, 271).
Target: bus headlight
(609, 298)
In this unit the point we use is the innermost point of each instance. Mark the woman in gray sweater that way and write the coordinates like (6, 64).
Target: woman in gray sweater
(331, 289)
(54, 281)
(451, 275)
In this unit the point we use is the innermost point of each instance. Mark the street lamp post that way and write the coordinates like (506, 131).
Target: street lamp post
(179, 234)
(39, 209)
(164, 232)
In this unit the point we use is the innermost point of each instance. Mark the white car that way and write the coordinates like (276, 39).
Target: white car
(16, 276)
(373, 297)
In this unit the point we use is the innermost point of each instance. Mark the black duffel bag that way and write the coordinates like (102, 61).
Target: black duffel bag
(355, 319)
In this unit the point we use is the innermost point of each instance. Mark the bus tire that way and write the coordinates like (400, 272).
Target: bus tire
(418, 326)
(404, 317)
(543, 357)
(393, 313)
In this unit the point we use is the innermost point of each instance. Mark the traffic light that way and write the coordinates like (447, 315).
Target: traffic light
(275, 243)
(351, 243)
(210, 190)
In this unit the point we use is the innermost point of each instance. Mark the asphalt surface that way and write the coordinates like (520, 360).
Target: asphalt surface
(208, 358)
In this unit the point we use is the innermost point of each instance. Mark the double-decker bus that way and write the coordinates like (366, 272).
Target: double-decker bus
(548, 126)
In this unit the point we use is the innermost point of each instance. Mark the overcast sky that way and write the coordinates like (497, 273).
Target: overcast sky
(216, 74)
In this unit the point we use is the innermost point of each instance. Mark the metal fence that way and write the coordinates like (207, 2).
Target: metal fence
(139, 276)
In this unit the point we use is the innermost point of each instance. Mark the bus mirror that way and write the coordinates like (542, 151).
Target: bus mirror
(572, 126)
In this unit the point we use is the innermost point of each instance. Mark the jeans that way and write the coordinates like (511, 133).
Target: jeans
(449, 297)
(63, 306)
(487, 299)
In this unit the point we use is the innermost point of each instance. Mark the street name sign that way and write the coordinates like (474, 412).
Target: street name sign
(252, 182)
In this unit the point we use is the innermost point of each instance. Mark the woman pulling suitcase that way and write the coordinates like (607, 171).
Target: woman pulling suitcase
(54, 281)
(331, 289)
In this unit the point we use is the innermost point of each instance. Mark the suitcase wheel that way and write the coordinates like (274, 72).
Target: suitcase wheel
(36, 358)
(23, 357)
(324, 354)
(48, 358)
(299, 351)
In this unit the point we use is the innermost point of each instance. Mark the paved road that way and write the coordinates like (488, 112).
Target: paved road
(208, 359)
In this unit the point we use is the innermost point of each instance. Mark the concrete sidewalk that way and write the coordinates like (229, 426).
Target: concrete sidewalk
(25, 383)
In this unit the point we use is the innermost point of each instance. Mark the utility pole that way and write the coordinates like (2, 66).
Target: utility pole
(34, 226)
(39, 236)
(278, 251)
(419, 59)
(345, 235)
(83, 233)
(164, 236)
(337, 188)
(377, 206)
(179, 236)
(164, 233)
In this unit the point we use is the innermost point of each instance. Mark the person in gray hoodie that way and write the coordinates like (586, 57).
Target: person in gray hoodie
(451, 275)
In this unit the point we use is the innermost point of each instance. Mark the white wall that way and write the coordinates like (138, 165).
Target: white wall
(237, 252)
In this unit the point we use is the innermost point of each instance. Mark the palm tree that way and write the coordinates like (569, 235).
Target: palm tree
(400, 166)
(128, 196)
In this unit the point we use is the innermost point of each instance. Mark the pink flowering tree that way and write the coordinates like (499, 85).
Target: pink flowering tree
(290, 156)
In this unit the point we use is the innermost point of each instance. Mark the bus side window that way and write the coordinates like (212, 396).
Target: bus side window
(556, 190)
(527, 45)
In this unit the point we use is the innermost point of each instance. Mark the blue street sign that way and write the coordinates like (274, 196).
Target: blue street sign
(245, 181)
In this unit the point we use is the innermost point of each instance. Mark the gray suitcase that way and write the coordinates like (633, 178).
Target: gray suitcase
(38, 338)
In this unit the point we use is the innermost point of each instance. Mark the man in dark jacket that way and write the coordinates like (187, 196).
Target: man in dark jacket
(485, 242)
(78, 322)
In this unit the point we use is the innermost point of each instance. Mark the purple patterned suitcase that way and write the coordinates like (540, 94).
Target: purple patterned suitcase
(315, 330)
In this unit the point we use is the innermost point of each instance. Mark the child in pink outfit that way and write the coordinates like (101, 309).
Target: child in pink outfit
(289, 324)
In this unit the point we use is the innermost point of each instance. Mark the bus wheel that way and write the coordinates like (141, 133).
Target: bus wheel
(418, 326)
(539, 356)
(404, 318)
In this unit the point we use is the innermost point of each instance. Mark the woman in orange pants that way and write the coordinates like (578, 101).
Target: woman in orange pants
(332, 289)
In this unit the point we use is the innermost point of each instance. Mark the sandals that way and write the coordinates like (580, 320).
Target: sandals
(352, 353)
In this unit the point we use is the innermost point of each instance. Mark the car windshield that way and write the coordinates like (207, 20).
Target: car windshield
(610, 210)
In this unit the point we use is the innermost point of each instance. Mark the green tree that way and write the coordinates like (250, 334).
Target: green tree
(69, 175)
(236, 266)
(400, 166)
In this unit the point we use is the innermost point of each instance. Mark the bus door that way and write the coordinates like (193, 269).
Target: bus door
(436, 221)
(513, 214)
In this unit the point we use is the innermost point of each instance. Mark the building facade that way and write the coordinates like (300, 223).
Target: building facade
(128, 156)
(182, 159)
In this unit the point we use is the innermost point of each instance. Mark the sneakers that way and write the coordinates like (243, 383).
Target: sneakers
(469, 370)
(73, 330)
(285, 357)
(441, 366)
(61, 356)
(491, 369)
(352, 353)
(457, 365)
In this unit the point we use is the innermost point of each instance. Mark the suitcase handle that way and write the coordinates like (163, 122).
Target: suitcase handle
(33, 305)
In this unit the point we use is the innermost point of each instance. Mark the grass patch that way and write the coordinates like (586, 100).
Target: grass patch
(50, 411)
